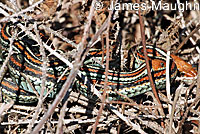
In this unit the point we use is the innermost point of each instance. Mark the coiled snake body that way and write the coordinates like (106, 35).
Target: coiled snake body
(26, 64)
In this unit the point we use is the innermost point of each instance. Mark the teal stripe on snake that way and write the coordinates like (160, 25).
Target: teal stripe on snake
(27, 61)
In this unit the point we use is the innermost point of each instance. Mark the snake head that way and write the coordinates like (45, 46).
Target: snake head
(159, 68)
(158, 64)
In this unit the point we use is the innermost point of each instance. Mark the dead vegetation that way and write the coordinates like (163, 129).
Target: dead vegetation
(74, 26)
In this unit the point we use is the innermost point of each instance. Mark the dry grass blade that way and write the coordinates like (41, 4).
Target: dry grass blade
(56, 54)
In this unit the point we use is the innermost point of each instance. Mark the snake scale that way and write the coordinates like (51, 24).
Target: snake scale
(26, 60)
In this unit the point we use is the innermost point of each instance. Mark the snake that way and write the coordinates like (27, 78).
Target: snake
(27, 60)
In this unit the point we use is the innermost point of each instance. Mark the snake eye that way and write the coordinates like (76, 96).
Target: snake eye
(162, 64)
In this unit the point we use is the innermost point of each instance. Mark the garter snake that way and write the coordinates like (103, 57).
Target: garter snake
(26, 60)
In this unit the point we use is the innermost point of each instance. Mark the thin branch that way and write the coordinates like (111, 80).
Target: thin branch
(178, 91)
(7, 8)
(147, 61)
(78, 62)
(198, 79)
(187, 38)
(60, 36)
(43, 79)
(61, 117)
(22, 11)
(127, 120)
(196, 101)
(106, 74)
